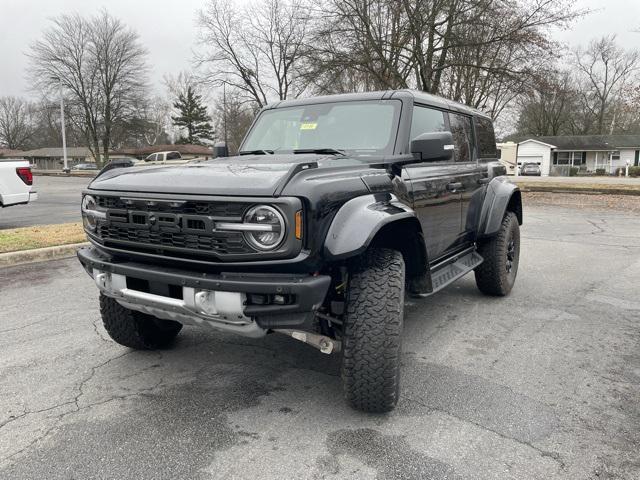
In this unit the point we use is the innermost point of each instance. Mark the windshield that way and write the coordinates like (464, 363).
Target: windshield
(357, 128)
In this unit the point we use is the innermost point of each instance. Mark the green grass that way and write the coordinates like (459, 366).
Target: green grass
(28, 238)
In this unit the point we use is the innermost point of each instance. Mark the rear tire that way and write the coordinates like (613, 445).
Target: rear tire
(135, 329)
(497, 274)
(372, 331)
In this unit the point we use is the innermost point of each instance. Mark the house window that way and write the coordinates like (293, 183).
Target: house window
(615, 155)
(562, 158)
(569, 158)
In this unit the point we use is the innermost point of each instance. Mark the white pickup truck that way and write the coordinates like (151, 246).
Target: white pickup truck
(16, 183)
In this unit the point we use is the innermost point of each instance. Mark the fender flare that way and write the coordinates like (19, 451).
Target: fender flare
(359, 220)
(500, 193)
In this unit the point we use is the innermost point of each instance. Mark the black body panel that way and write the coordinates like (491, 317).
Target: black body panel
(439, 204)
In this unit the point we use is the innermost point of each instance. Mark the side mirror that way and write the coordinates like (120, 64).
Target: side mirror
(434, 146)
(220, 150)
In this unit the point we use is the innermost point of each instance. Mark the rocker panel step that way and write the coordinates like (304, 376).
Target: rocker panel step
(451, 272)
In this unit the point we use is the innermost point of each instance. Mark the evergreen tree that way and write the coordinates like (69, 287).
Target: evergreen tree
(193, 117)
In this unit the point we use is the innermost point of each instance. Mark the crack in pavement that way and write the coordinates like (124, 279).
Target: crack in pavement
(75, 401)
(555, 456)
(21, 327)
(97, 331)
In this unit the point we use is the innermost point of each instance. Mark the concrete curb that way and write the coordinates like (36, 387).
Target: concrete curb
(595, 190)
(39, 254)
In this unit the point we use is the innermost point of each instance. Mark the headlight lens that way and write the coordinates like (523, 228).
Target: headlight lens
(88, 206)
(269, 226)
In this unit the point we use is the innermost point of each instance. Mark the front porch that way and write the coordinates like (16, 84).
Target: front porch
(602, 162)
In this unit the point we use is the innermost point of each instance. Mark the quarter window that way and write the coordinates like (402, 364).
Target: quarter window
(486, 138)
(462, 137)
(426, 120)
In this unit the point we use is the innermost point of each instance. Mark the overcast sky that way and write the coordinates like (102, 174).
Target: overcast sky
(167, 29)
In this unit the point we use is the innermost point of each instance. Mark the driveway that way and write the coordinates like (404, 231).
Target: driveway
(58, 202)
(542, 384)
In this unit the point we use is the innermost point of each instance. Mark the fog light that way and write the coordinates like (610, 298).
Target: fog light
(258, 299)
(279, 299)
(205, 301)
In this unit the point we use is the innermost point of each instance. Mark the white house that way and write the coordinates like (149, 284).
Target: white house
(588, 153)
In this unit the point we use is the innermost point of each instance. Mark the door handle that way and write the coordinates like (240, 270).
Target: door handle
(452, 187)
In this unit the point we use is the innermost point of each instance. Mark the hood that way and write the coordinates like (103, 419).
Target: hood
(252, 175)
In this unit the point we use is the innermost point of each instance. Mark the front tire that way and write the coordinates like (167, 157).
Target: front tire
(372, 331)
(135, 329)
(497, 274)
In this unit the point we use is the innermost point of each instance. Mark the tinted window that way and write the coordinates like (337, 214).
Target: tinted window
(486, 138)
(173, 156)
(426, 120)
(462, 137)
(364, 127)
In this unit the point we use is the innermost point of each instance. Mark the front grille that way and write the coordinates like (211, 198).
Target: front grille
(131, 231)
(227, 210)
(221, 243)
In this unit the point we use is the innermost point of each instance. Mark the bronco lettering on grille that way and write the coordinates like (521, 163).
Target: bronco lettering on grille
(161, 221)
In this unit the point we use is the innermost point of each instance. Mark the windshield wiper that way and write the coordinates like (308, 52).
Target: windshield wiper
(329, 151)
(256, 152)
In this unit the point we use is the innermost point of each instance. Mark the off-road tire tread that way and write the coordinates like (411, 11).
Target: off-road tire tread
(135, 329)
(373, 328)
(491, 277)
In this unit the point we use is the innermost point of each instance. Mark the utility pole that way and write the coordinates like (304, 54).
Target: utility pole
(224, 112)
(64, 136)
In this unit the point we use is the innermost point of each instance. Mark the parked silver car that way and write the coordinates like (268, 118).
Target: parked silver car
(531, 169)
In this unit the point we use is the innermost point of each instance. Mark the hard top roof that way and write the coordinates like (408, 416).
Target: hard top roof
(416, 95)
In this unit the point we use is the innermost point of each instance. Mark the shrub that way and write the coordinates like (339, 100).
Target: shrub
(573, 171)
(601, 171)
(634, 171)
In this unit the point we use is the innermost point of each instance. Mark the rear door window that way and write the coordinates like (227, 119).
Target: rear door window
(462, 137)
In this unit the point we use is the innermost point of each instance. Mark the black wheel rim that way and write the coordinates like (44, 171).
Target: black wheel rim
(511, 255)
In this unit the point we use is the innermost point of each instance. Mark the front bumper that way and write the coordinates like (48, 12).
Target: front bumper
(232, 313)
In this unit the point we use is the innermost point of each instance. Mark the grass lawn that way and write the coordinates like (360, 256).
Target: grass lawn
(581, 186)
(28, 238)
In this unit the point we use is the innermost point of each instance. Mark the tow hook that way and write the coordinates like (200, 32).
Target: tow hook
(324, 344)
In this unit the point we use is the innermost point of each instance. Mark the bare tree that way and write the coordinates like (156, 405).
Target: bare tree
(156, 114)
(257, 49)
(101, 65)
(606, 69)
(548, 106)
(16, 122)
(479, 52)
(235, 116)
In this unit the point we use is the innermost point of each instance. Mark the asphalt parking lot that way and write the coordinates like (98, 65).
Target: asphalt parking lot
(58, 202)
(542, 384)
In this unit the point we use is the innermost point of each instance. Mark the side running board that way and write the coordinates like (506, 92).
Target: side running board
(443, 275)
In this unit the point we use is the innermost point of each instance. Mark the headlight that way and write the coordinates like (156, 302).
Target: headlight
(89, 212)
(265, 227)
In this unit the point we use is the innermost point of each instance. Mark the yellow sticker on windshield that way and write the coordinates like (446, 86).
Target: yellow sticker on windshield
(308, 126)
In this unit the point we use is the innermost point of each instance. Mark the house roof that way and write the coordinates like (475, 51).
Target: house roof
(57, 152)
(538, 140)
(590, 142)
(7, 152)
(184, 149)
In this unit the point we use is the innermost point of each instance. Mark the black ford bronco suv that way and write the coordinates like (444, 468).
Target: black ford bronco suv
(333, 209)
